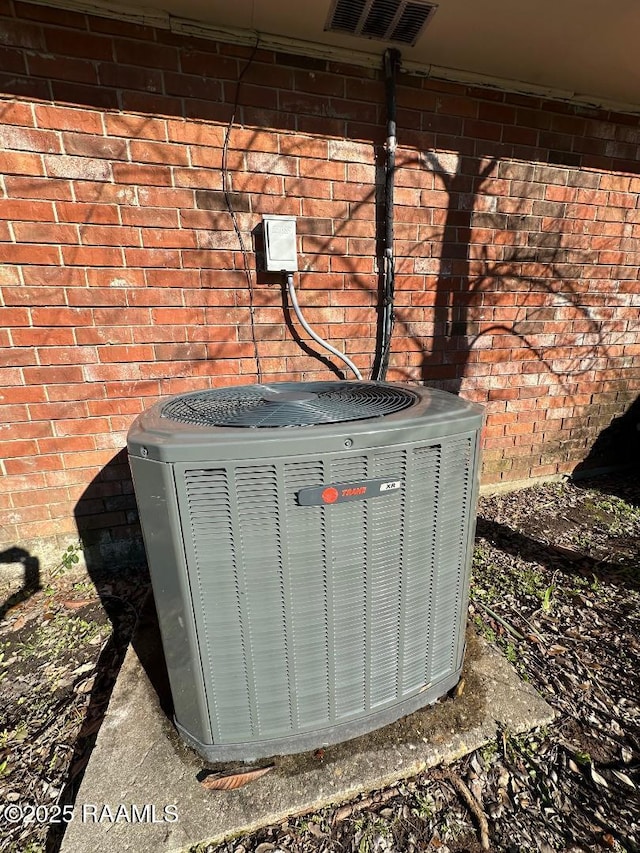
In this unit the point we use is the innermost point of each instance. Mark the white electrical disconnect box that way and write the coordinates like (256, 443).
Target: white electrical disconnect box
(280, 243)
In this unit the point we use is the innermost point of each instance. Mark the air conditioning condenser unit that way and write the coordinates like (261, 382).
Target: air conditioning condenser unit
(309, 546)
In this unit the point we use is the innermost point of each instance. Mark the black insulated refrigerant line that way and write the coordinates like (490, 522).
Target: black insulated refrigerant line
(385, 322)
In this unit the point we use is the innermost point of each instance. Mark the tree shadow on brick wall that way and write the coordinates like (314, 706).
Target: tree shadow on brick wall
(616, 447)
(525, 271)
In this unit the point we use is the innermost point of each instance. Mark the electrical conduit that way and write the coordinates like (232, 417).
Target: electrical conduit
(294, 303)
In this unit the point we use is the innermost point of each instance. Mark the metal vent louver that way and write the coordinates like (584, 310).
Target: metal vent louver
(288, 404)
(397, 21)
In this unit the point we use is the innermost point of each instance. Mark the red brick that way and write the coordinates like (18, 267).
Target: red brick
(145, 296)
(25, 395)
(37, 188)
(18, 415)
(77, 168)
(92, 256)
(116, 76)
(125, 354)
(89, 336)
(24, 515)
(66, 444)
(181, 351)
(61, 316)
(49, 275)
(148, 56)
(19, 163)
(28, 232)
(22, 34)
(204, 260)
(53, 375)
(160, 152)
(109, 235)
(13, 449)
(28, 139)
(150, 217)
(136, 127)
(152, 258)
(46, 296)
(59, 411)
(17, 113)
(14, 317)
(89, 459)
(120, 317)
(39, 497)
(138, 390)
(152, 104)
(66, 355)
(59, 68)
(62, 118)
(173, 238)
(154, 176)
(173, 316)
(90, 145)
(94, 214)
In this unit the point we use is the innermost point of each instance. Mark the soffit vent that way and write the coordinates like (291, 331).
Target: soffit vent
(396, 21)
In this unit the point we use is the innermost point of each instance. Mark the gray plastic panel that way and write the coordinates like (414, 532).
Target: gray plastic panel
(435, 414)
(162, 532)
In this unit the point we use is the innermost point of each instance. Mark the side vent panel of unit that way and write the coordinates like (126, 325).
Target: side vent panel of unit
(420, 564)
(394, 21)
(259, 542)
(220, 608)
(450, 544)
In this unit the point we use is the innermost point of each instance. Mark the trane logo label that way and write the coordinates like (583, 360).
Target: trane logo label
(340, 492)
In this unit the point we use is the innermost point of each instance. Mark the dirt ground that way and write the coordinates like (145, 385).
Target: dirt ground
(556, 586)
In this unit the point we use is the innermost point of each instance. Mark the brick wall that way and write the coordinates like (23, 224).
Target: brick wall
(122, 278)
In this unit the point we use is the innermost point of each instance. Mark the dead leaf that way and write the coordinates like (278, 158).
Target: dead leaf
(343, 813)
(598, 779)
(459, 688)
(77, 603)
(557, 649)
(231, 781)
(624, 778)
(20, 622)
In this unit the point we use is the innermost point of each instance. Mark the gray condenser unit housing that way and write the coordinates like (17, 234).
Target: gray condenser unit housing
(309, 547)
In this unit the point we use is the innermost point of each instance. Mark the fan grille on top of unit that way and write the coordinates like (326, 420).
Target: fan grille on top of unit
(398, 21)
(286, 404)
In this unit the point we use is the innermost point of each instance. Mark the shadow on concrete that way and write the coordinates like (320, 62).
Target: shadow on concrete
(116, 564)
(30, 581)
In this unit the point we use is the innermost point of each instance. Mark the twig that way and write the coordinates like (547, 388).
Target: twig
(499, 619)
(471, 802)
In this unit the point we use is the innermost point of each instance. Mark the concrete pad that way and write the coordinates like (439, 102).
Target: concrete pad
(139, 760)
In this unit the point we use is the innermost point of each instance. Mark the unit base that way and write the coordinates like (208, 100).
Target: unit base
(250, 751)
